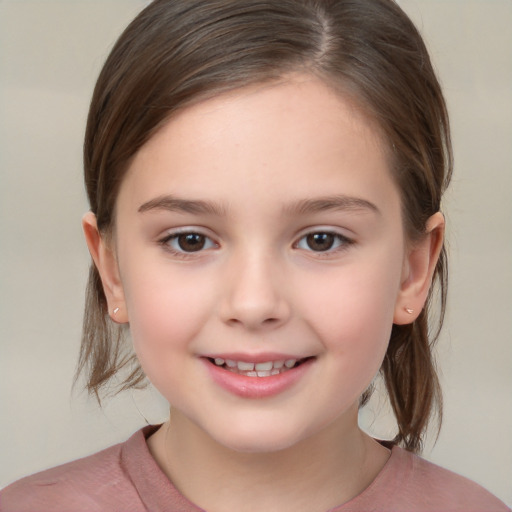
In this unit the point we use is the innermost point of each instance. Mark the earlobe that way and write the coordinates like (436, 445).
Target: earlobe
(106, 264)
(419, 267)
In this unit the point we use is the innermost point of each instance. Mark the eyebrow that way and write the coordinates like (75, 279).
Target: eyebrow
(302, 207)
(338, 202)
(174, 204)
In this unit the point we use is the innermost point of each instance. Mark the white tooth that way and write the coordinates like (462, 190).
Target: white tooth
(230, 363)
(278, 364)
(263, 373)
(264, 366)
(290, 363)
(244, 367)
(251, 374)
(219, 361)
(275, 371)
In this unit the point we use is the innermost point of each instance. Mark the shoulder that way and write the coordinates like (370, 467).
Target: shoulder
(94, 483)
(409, 482)
(451, 488)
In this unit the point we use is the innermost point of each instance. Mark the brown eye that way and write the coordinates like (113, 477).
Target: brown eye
(191, 242)
(324, 241)
(187, 242)
(320, 241)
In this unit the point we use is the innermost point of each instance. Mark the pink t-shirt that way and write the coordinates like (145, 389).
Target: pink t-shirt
(126, 478)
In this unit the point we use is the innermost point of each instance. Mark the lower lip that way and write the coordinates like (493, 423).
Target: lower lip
(257, 387)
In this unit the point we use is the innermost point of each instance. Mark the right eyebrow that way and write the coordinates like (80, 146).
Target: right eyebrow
(174, 204)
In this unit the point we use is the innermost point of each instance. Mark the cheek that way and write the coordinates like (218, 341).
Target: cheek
(166, 311)
(351, 311)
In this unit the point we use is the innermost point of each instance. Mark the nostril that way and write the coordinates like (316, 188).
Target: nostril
(265, 321)
(254, 311)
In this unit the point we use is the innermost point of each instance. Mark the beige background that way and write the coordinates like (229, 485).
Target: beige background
(50, 54)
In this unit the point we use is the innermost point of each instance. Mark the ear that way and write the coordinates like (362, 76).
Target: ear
(105, 260)
(419, 266)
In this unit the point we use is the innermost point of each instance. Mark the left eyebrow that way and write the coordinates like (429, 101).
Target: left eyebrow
(339, 202)
(175, 204)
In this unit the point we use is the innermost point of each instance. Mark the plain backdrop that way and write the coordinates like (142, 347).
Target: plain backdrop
(50, 54)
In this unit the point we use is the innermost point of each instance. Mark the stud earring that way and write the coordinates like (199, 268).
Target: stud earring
(409, 311)
(116, 310)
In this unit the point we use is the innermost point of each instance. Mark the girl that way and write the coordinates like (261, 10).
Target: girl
(265, 183)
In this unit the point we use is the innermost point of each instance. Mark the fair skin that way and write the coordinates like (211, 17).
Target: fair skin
(295, 252)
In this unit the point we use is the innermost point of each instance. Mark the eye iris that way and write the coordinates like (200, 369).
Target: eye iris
(320, 241)
(191, 242)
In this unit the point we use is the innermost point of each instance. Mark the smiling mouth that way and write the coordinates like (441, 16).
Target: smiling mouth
(265, 369)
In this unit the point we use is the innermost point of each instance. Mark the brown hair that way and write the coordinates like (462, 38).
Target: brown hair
(177, 52)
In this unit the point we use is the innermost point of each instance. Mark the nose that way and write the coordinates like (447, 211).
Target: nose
(254, 294)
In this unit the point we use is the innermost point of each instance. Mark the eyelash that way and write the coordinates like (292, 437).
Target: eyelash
(340, 243)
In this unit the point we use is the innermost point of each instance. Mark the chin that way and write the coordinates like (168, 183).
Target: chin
(258, 438)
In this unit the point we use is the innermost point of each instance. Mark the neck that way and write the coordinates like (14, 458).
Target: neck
(316, 474)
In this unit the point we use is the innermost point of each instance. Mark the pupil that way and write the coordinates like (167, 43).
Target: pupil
(191, 242)
(320, 241)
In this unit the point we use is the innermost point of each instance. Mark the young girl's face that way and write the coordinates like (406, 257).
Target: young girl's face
(255, 231)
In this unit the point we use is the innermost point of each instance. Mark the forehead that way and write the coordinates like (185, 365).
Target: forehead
(274, 136)
(302, 95)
